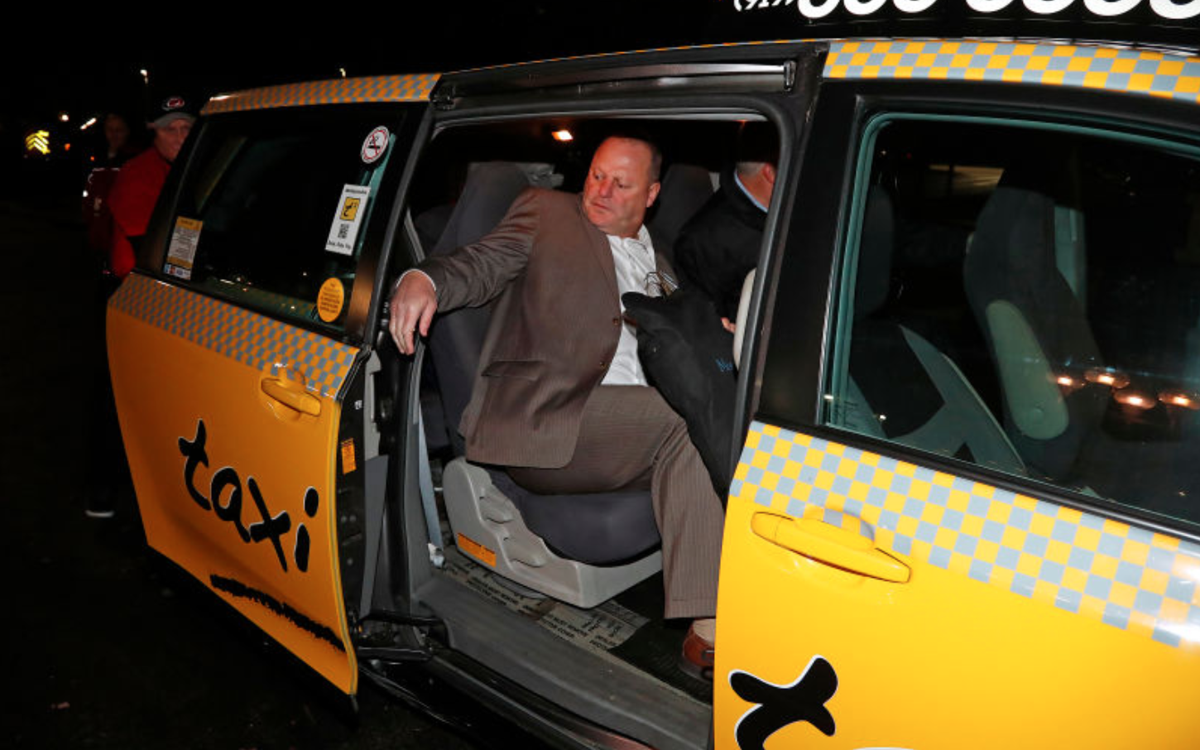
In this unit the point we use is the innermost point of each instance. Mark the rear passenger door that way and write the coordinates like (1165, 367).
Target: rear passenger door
(237, 351)
(966, 512)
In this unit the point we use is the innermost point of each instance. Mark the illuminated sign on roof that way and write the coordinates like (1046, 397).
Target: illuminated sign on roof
(1166, 9)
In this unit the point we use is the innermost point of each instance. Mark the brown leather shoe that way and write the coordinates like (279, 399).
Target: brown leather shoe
(697, 657)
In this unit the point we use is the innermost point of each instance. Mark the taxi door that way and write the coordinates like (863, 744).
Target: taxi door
(964, 515)
(235, 343)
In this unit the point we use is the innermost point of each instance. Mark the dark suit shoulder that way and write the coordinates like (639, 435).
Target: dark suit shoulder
(719, 246)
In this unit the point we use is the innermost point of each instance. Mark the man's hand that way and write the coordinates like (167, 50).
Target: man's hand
(413, 304)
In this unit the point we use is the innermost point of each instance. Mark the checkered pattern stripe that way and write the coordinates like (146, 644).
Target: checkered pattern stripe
(402, 88)
(1130, 70)
(254, 340)
(1122, 575)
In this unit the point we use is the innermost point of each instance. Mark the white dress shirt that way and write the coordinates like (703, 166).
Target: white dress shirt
(633, 259)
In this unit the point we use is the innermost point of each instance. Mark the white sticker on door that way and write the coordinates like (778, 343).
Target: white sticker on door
(344, 232)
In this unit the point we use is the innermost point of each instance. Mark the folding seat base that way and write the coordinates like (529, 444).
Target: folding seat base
(489, 529)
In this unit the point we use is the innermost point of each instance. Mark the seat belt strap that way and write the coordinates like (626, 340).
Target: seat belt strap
(428, 499)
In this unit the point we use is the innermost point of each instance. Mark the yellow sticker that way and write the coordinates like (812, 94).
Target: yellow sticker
(330, 300)
(182, 251)
(350, 208)
(477, 550)
(348, 461)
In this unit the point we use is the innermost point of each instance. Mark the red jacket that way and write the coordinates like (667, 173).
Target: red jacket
(131, 203)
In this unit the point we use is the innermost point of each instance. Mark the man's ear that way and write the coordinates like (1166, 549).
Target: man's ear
(768, 173)
(653, 194)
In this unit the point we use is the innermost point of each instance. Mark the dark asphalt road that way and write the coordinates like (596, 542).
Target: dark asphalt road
(105, 645)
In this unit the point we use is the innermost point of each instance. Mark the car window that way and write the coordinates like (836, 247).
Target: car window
(1026, 297)
(274, 217)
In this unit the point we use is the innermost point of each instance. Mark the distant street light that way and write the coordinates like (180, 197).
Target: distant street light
(39, 141)
(145, 76)
(63, 117)
(88, 124)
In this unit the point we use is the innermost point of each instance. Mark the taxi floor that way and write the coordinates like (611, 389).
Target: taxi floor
(628, 629)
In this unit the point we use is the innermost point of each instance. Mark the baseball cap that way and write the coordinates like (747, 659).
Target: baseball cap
(171, 108)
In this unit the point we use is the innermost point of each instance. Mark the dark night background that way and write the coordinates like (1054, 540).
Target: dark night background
(86, 64)
(105, 645)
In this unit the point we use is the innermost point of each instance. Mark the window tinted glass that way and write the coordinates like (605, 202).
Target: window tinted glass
(1027, 299)
(275, 209)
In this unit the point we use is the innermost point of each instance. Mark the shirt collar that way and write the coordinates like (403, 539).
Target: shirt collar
(745, 192)
(643, 239)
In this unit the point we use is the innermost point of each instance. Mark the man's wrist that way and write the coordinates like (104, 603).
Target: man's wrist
(415, 270)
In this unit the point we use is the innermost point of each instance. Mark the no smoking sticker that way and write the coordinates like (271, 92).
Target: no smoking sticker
(330, 300)
(375, 145)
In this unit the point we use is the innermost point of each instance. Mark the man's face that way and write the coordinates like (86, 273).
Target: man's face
(169, 138)
(619, 187)
(116, 132)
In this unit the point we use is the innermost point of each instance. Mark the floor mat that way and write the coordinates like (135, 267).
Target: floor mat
(627, 630)
(656, 646)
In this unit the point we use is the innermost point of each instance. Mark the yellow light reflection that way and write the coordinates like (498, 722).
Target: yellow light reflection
(1179, 398)
(1107, 377)
(1130, 397)
(563, 135)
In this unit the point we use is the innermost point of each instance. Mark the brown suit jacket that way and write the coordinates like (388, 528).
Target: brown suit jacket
(552, 334)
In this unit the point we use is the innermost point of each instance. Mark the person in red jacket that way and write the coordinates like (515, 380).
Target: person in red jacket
(141, 179)
(130, 203)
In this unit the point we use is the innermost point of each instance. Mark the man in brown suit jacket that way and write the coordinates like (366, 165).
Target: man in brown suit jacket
(560, 398)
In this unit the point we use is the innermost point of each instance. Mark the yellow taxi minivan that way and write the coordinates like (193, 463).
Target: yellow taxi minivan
(966, 505)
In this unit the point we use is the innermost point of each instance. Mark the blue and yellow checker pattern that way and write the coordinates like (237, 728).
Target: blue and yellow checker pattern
(397, 88)
(246, 337)
(1127, 577)
(1132, 71)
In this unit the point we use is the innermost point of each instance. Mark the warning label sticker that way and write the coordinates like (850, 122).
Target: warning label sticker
(477, 550)
(181, 253)
(330, 299)
(348, 461)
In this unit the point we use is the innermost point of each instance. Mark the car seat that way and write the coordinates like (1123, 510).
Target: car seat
(1025, 279)
(900, 386)
(685, 189)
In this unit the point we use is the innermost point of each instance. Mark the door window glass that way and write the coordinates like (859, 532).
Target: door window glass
(274, 210)
(1027, 298)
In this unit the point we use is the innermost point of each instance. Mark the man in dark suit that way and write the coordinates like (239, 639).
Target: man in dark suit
(560, 398)
(722, 242)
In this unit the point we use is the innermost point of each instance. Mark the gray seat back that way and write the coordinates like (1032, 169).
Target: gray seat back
(901, 386)
(685, 188)
(1035, 325)
(455, 338)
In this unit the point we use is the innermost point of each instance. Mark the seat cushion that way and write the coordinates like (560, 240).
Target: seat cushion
(602, 528)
